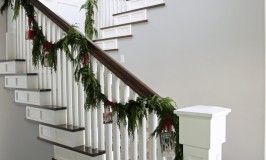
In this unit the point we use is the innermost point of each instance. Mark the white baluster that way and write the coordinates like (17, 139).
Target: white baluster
(74, 95)
(152, 141)
(143, 140)
(108, 133)
(45, 80)
(87, 126)
(48, 69)
(124, 128)
(54, 75)
(94, 122)
(116, 98)
(134, 142)
(100, 77)
(21, 34)
(69, 91)
(18, 36)
(81, 104)
(59, 82)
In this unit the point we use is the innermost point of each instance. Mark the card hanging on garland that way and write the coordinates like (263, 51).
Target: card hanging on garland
(168, 143)
(107, 116)
(46, 47)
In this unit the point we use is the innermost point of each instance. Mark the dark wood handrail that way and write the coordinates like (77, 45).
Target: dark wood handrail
(121, 72)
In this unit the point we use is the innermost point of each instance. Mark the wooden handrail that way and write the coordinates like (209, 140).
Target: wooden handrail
(121, 72)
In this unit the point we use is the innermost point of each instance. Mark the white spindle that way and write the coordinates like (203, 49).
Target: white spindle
(143, 140)
(53, 78)
(116, 98)
(124, 128)
(94, 123)
(134, 142)
(48, 69)
(40, 69)
(108, 133)
(69, 91)
(81, 104)
(100, 77)
(21, 34)
(74, 95)
(59, 81)
(87, 126)
(152, 141)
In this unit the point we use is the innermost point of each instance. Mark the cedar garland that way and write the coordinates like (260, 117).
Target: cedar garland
(132, 112)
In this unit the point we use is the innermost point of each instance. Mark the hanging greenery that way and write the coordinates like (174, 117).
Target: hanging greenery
(89, 7)
(132, 112)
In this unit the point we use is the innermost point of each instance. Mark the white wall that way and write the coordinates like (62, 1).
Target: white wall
(207, 52)
(18, 137)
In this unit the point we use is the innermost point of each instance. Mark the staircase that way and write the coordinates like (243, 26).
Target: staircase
(55, 101)
(116, 22)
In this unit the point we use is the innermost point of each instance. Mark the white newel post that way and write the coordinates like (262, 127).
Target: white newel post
(202, 131)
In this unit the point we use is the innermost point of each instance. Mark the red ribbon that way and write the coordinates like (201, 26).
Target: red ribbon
(85, 59)
(109, 103)
(30, 19)
(30, 34)
(46, 46)
(167, 123)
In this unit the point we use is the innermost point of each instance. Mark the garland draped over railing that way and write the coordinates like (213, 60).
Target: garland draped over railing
(133, 110)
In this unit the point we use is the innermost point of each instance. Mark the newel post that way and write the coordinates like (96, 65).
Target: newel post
(202, 131)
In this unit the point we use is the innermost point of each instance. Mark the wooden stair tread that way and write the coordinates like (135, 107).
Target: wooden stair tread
(21, 74)
(65, 127)
(118, 25)
(34, 90)
(133, 10)
(10, 60)
(96, 40)
(48, 107)
(80, 149)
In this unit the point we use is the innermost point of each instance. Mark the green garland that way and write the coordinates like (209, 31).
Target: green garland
(133, 111)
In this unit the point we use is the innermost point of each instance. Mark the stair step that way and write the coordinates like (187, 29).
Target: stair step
(47, 107)
(52, 117)
(104, 39)
(12, 60)
(40, 97)
(108, 45)
(116, 32)
(88, 151)
(131, 17)
(141, 8)
(65, 127)
(25, 81)
(12, 66)
(118, 25)
(67, 135)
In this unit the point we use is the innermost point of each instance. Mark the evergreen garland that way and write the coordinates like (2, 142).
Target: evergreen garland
(133, 111)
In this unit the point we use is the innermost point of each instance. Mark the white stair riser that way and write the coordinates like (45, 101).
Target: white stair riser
(107, 44)
(65, 154)
(116, 31)
(12, 67)
(35, 98)
(21, 81)
(71, 139)
(135, 4)
(130, 17)
(46, 116)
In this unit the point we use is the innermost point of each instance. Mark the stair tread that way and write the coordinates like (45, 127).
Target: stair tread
(48, 107)
(21, 74)
(34, 90)
(65, 127)
(119, 25)
(96, 40)
(10, 60)
(146, 7)
(80, 149)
